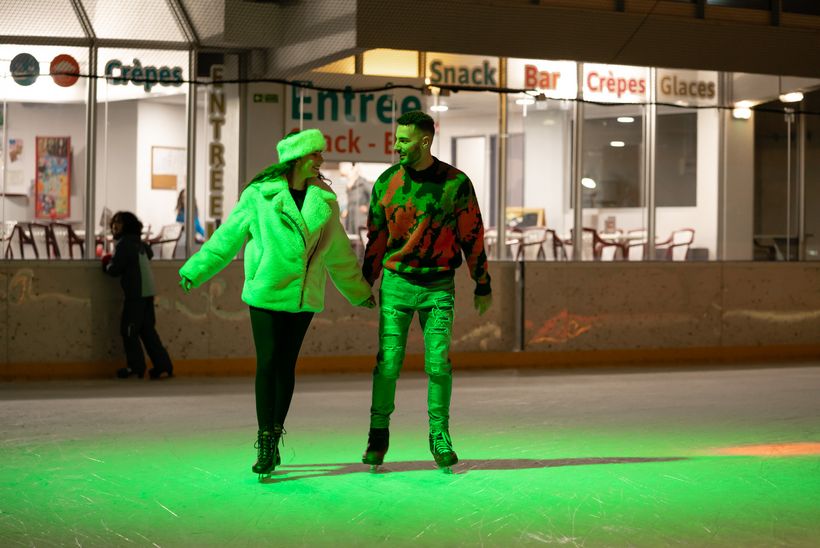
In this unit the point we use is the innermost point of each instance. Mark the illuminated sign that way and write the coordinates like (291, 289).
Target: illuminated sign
(615, 83)
(687, 87)
(119, 74)
(555, 79)
(462, 70)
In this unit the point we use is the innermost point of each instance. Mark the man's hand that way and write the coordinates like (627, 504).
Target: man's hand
(186, 285)
(482, 303)
(106, 259)
(369, 303)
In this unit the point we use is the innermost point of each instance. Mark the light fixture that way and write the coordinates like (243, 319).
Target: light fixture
(525, 101)
(617, 144)
(439, 108)
(791, 97)
(625, 119)
(586, 182)
(741, 112)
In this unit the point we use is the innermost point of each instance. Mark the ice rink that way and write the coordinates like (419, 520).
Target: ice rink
(704, 456)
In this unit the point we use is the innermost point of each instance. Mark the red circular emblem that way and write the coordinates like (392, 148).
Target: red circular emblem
(65, 70)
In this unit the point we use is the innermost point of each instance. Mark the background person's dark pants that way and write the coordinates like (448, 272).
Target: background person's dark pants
(139, 323)
(278, 338)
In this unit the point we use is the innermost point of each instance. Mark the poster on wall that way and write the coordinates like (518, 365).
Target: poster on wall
(53, 184)
(168, 166)
(14, 183)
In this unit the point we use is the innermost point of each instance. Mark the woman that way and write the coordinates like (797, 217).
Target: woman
(130, 262)
(290, 217)
(200, 232)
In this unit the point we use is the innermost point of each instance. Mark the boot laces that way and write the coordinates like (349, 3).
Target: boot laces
(264, 445)
(442, 443)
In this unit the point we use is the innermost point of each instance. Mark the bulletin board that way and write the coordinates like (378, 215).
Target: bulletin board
(53, 184)
(168, 167)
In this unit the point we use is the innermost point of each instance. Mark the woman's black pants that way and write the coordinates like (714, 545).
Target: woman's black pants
(278, 337)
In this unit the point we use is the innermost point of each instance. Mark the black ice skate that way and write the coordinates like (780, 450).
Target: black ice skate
(441, 446)
(268, 458)
(378, 440)
(125, 372)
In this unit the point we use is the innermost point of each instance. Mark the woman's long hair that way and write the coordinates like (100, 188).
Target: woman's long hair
(283, 168)
(130, 223)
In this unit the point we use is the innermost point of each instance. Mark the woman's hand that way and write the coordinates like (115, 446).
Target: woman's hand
(186, 285)
(369, 303)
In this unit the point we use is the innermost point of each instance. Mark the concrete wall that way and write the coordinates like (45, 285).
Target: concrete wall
(63, 319)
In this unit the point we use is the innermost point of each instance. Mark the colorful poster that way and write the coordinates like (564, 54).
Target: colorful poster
(53, 185)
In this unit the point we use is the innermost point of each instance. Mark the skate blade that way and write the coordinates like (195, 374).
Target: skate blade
(374, 468)
(446, 469)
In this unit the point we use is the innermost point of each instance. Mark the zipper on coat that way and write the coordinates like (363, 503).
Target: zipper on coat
(307, 266)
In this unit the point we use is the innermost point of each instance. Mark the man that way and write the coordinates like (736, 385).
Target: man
(423, 215)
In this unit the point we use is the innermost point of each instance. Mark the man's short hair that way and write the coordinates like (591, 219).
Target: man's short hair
(419, 119)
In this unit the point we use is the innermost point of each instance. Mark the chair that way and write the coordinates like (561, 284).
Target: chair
(677, 245)
(512, 242)
(8, 230)
(167, 240)
(595, 248)
(65, 239)
(531, 245)
(636, 244)
(42, 241)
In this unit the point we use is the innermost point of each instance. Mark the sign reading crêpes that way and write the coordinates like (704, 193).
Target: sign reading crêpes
(615, 83)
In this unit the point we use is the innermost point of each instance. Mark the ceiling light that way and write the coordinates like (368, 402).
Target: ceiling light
(742, 113)
(617, 144)
(626, 119)
(791, 97)
(525, 101)
(586, 182)
(439, 108)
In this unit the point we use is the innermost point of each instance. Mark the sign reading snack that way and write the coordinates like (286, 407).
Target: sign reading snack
(461, 70)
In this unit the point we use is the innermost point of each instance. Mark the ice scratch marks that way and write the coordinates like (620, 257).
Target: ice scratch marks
(166, 509)
(95, 460)
(149, 540)
(678, 479)
(424, 530)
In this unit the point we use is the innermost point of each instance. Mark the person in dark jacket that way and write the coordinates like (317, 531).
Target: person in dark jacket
(130, 263)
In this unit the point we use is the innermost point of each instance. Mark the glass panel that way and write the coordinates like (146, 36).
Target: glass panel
(775, 175)
(466, 139)
(538, 176)
(42, 139)
(342, 66)
(811, 205)
(40, 18)
(142, 141)
(136, 19)
(612, 182)
(217, 183)
(752, 4)
(391, 62)
(686, 166)
(809, 7)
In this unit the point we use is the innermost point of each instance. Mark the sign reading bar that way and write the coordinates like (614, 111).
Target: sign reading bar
(555, 79)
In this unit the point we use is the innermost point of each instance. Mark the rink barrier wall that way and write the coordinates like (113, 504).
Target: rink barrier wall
(61, 319)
